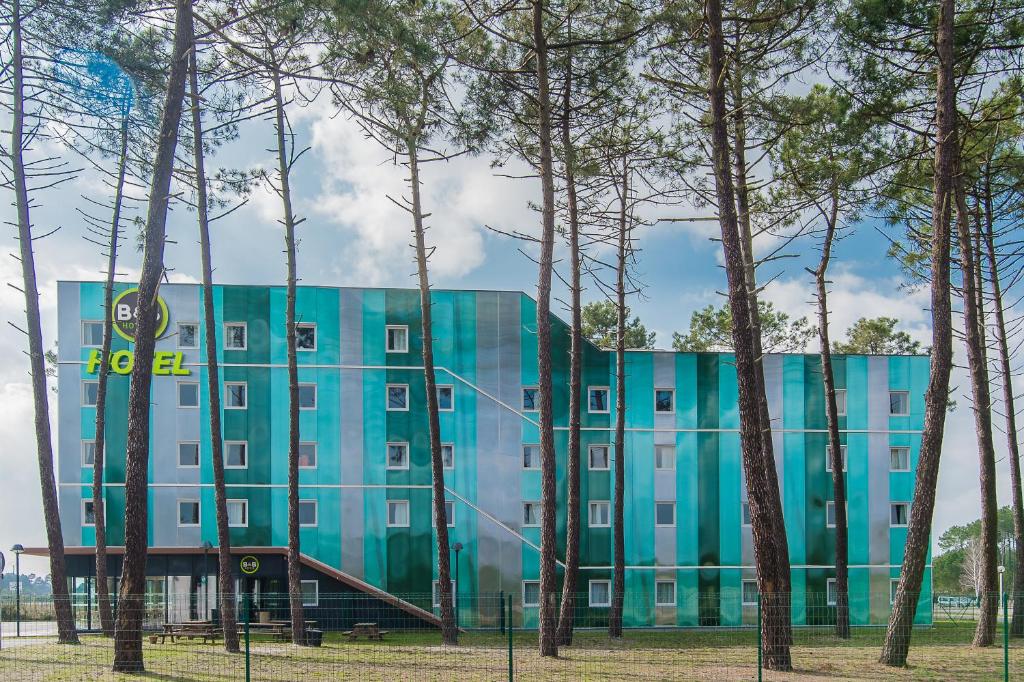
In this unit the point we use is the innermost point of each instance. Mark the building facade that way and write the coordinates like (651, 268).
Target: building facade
(365, 476)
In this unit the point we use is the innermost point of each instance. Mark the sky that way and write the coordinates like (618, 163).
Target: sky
(354, 235)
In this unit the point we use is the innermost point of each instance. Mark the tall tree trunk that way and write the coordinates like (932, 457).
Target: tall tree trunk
(1013, 448)
(567, 615)
(294, 563)
(548, 577)
(984, 633)
(901, 620)
(449, 630)
(832, 422)
(128, 627)
(225, 578)
(770, 549)
(98, 499)
(44, 447)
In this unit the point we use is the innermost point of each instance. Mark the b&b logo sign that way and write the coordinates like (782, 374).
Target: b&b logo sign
(125, 310)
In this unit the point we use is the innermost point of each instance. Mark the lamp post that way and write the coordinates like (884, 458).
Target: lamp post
(1001, 569)
(206, 547)
(458, 548)
(17, 549)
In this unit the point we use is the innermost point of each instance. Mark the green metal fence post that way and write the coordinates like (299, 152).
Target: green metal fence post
(1006, 637)
(509, 622)
(501, 612)
(247, 610)
(759, 637)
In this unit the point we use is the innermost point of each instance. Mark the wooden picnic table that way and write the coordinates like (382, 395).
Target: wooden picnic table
(280, 630)
(368, 630)
(191, 629)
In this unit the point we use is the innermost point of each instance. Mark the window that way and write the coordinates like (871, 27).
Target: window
(188, 454)
(235, 336)
(830, 592)
(665, 593)
(437, 592)
(899, 459)
(830, 514)
(899, 514)
(597, 400)
(600, 514)
(397, 338)
(398, 456)
(664, 457)
(531, 593)
(448, 455)
(531, 514)
(88, 513)
(310, 592)
(307, 512)
(305, 336)
(841, 402)
(92, 333)
(445, 398)
(664, 513)
(664, 400)
(398, 514)
(894, 583)
(88, 453)
(531, 457)
(188, 513)
(600, 593)
(235, 395)
(188, 394)
(307, 455)
(188, 335)
(745, 513)
(828, 457)
(598, 457)
(238, 513)
(531, 399)
(899, 403)
(307, 396)
(90, 393)
(749, 592)
(398, 397)
(236, 454)
(449, 514)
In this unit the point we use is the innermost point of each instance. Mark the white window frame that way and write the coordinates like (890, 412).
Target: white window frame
(745, 517)
(177, 512)
(243, 325)
(435, 589)
(522, 398)
(85, 443)
(451, 388)
(892, 503)
(831, 592)
(893, 585)
(672, 450)
(841, 410)
(607, 402)
(843, 452)
(244, 443)
(245, 513)
(522, 514)
(522, 460)
(596, 504)
(316, 513)
(590, 594)
(387, 513)
(199, 397)
(387, 398)
(666, 581)
(85, 524)
(316, 454)
(655, 396)
(590, 458)
(526, 604)
(443, 464)
(92, 345)
(665, 525)
(387, 456)
(899, 414)
(316, 336)
(198, 454)
(899, 447)
(832, 504)
(448, 504)
(177, 341)
(244, 385)
(387, 338)
(743, 592)
(316, 396)
(87, 382)
(316, 592)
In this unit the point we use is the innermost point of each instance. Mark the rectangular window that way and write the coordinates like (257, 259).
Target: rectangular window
(307, 455)
(308, 512)
(235, 336)
(305, 336)
(88, 453)
(448, 455)
(899, 514)
(188, 394)
(745, 513)
(531, 593)
(236, 454)
(449, 514)
(664, 457)
(92, 333)
(664, 400)
(235, 395)
(600, 593)
(531, 514)
(600, 514)
(398, 456)
(899, 403)
(899, 459)
(531, 399)
(830, 592)
(830, 514)
(398, 514)
(828, 457)
(88, 513)
(310, 592)
(397, 338)
(238, 513)
(664, 513)
(307, 396)
(445, 398)
(188, 335)
(597, 400)
(749, 592)
(188, 513)
(598, 457)
(398, 397)
(188, 455)
(90, 393)
(894, 583)
(531, 457)
(437, 592)
(665, 593)
(841, 402)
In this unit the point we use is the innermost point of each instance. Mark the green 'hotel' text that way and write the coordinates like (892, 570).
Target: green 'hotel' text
(165, 363)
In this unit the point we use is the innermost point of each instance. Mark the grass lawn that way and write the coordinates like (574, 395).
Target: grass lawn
(939, 653)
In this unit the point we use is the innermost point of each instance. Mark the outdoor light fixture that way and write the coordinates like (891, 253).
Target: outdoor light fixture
(206, 547)
(17, 549)
(458, 548)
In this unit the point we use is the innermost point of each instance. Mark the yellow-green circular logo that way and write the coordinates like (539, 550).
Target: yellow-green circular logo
(249, 564)
(124, 311)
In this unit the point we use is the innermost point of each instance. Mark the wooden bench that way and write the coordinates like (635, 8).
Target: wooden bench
(367, 630)
(206, 631)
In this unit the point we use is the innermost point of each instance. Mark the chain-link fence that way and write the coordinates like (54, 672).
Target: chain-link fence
(365, 637)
